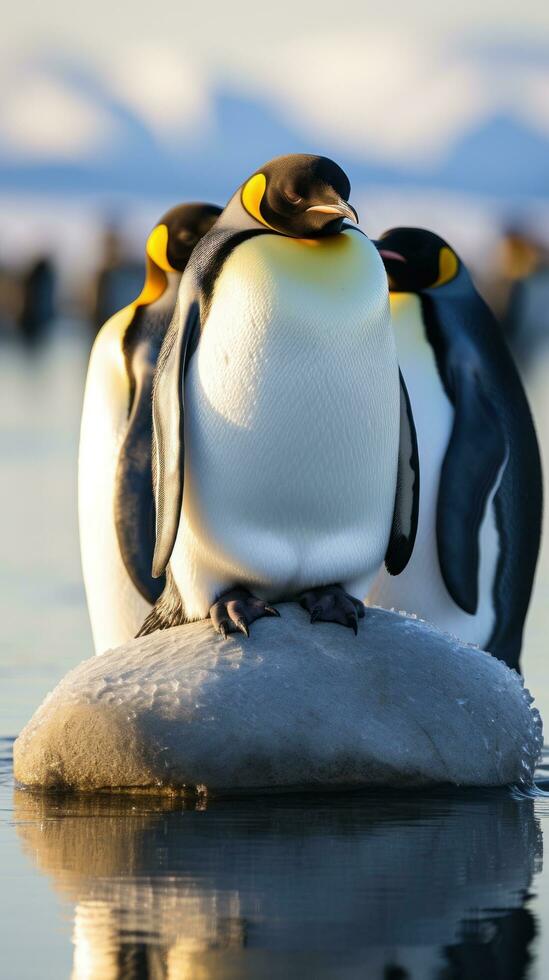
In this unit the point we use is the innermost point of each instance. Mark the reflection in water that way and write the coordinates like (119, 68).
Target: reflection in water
(370, 885)
(495, 947)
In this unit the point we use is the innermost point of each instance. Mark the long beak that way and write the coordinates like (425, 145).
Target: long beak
(341, 208)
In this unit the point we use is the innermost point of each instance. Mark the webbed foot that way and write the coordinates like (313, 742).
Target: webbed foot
(237, 609)
(331, 604)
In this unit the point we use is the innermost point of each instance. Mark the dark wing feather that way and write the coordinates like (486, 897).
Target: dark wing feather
(467, 345)
(405, 516)
(475, 455)
(134, 500)
(168, 422)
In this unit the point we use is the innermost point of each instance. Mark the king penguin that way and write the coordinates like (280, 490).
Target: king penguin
(281, 428)
(116, 505)
(473, 565)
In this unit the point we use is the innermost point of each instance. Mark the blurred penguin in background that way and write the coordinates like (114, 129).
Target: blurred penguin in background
(523, 265)
(38, 300)
(117, 281)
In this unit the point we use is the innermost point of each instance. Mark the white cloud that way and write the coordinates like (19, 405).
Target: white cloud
(380, 95)
(162, 85)
(396, 95)
(534, 99)
(42, 117)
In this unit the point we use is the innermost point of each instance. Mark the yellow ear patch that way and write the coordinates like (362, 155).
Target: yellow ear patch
(157, 248)
(447, 266)
(155, 284)
(252, 193)
(157, 266)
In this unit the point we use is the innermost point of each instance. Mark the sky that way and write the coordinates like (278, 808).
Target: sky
(434, 109)
(392, 82)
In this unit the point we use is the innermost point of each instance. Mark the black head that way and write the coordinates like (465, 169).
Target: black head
(299, 195)
(417, 259)
(172, 240)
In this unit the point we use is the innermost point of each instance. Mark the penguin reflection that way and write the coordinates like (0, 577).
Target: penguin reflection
(376, 886)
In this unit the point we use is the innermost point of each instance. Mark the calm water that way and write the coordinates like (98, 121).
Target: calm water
(440, 885)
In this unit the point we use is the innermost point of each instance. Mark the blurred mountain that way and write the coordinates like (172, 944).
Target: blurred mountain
(502, 156)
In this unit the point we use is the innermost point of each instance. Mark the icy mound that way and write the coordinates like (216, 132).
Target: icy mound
(294, 706)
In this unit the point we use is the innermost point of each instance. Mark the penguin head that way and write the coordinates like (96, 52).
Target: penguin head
(416, 259)
(172, 240)
(300, 196)
(170, 244)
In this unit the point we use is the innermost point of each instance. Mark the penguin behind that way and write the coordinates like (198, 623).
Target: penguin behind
(276, 464)
(473, 565)
(116, 504)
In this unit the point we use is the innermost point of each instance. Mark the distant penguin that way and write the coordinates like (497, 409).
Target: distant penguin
(116, 505)
(38, 306)
(278, 412)
(478, 537)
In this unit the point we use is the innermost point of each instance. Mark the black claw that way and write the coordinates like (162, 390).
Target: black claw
(243, 626)
(352, 622)
(236, 609)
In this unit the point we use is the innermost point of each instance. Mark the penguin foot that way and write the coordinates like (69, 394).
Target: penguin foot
(237, 610)
(331, 604)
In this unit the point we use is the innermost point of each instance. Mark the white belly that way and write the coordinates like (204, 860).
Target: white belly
(291, 424)
(420, 588)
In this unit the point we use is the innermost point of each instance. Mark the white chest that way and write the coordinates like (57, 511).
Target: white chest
(432, 409)
(291, 414)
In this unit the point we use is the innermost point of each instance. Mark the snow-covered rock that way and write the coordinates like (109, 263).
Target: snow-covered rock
(293, 706)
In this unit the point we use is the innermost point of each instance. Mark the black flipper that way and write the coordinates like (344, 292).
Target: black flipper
(134, 498)
(168, 422)
(477, 451)
(405, 516)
